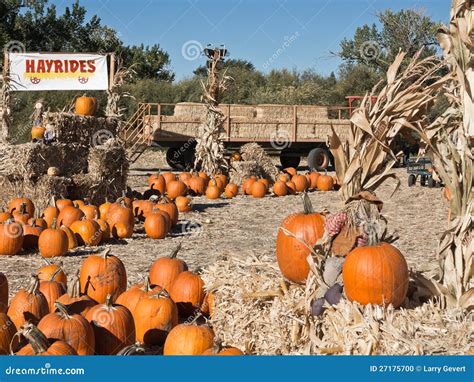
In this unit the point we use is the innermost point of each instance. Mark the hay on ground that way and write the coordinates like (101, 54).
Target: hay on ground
(255, 152)
(243, 170)
(256, 309)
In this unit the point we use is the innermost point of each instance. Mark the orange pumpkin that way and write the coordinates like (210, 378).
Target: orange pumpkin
(169, 177)
(176, 188)
(121, 220)
(103, 275)
(38, 222)
(187, 292)
(301, 183)
(157, 182)
(188, 339)
(156, 225)
(53, 242)
(49, 214)
(184, 177)
(76, 301)
(86, 105)
(247, 185)
(104, 229)
(258, 190)
(87, 232)
(166, 270)
(31, 234)
(104, 209)
(213, 192)
(4, 216)
(325, 183)
(15, 205)
(313, 179)
(223, 178)
(39, 345)
(132, 295)
(166, 205)
(376, 274)
(90, 211)
(11, 238)
(217, 349)
(61, 203)
(52, 290)
(217, 182)
(69, 215)
(37, 132)
(291, 171)
(183, 203)
(7, 332)
(71, 237)
(52, 272)
(280, 189)
(197, 185)
(291, 187)
(231, 190)
(292, 250)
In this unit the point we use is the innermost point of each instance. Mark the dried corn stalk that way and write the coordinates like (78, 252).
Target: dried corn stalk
(5, 111)
(210, 148)
(449, 142)
(114, 94)
(366, 161)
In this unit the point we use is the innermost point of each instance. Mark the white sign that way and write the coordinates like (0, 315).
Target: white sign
(58, 71)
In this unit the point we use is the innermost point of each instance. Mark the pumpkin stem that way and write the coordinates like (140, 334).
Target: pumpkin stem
(147, 286)
(105, 253)
(47, 261)
(63, 310)
(23, 208)
(55, 223)
(175, 251)
(34, 336)
(136, 348)
(108, 301)
(76, 287)
(55, 274)
(307, 205)
(34, 285)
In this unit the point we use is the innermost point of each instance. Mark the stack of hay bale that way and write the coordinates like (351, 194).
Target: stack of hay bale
(87, 159)
(255, 162)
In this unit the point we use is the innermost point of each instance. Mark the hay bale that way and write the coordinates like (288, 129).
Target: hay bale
(83, 130)
(244, 169)
(274, 112)
(244, 111)
(108, 160)
(255, 152)
(255, 308)
(191, 110)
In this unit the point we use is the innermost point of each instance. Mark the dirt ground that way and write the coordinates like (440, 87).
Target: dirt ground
(244, 226)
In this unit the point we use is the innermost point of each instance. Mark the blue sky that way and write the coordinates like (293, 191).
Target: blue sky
(270, 33)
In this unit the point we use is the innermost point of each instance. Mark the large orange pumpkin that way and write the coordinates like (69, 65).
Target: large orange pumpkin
(156, 224)
(103, 275)
(376, 274)
(121, 220)
(307, 228)
(40, 345)
(155, 315)
(15, 205)
(197, 185)
(86, 105)
(258, 189)
(113, 327)
(11, 238)
(69, 215)
(187, 292)
(53, 242)
(157, 182)
(87, 232)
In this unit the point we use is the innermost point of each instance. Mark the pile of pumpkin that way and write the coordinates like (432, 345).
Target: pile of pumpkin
(100, 315)
(66, 224)
(199, 184)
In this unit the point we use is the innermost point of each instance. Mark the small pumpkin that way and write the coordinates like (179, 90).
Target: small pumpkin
(213, 192)
(52, 290)
(53, 272)
(132, 295)
(292, 250)
(291, 171)
(188, 339)
(53, 242)
(87, 232)
(247, 185)
(103, 275)
(37, 132)
(325, 183)
(176, 188)
(39, 344)
(156, 225)
(167, 205)
(187, 291)
(157, 182)
(104, 209)
(165, 270)
(62, 203)
(71, 237)
(279, 188)
(291, 187)
(169, 177)
(258, 189)
(15, 205)
(231, 190)
(313, 179)
(31, 234)
(197, 185)
(69, 215)
(376, 274)
(28, 305)
(183, 203)
(121, 220)
(11, 238)
(113, 327)
(155, 315)
(86, 105)
(301, 183)
(69, 327)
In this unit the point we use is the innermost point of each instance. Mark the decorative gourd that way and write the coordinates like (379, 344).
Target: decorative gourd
(176, 188)
(38, 344)
(213, 192)
(188, 339)
(86, 105)
(69, 215)
(103, 275)
(301, 183)
(69, 327)
(376, 274)
(132, 295)
(52, 272)
(297, 233)
(53, 242)
(155, 315)
(87, 232)
(231, 190)
(28, 304)
(52, 290)
(183, 203)
(15, 205)
(71, 237)
(156, 225)
(121, 220)
(11, 238)
(165, 270)
(279, 188)
(187, 292)
(113, 327)
(3, 293)
(258, 190)
(325, 183)
(170, 208)
(7, 332)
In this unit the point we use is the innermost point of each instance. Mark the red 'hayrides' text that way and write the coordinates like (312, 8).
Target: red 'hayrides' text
(60, 66)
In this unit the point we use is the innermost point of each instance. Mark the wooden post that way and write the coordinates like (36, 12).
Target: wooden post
(228, 122)
(112, 71)
(295, 122)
